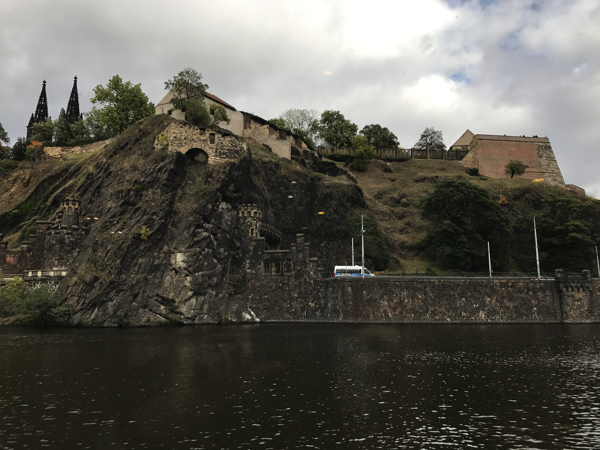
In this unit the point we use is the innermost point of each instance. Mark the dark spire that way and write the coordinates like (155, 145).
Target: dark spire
(41, 112)
(73, 114)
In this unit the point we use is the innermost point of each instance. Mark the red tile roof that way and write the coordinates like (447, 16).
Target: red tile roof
(214, 98)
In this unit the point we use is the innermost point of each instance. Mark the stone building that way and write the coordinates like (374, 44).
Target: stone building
(491, 153)
(245, 125)
(52, 248)
(264, 255)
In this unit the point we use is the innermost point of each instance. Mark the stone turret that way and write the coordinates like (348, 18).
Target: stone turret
(41, 111)
(70, 210)
(73, 114)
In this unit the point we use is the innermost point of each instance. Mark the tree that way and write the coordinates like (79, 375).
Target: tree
(219, 115)
(464, 218)
(19, 150)
(44, 132)
(379, 137)
(335, 129)
(14, 291)
(430, 140)
(123, 104)
(186, 86)
(303, 122)
(3, 136)
(515, 168)
(188, 96)
(95, 129)
(362, 153)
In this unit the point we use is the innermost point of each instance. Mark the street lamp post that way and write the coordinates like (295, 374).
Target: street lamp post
(362, 237)
(537, 255)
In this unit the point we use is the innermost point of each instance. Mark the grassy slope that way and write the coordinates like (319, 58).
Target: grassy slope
(393, 199)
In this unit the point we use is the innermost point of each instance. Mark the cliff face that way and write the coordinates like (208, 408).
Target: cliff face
(169, 245)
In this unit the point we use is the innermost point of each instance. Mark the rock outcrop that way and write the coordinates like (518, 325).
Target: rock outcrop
(167, 243)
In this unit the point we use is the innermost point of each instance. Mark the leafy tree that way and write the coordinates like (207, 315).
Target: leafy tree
(219, 115)
(33, 149)
(515, 168)
(14, 291)
(188, 96)
(280, 124)
(568, 228)
(197, 113)
(186, 86)
(379, 137)
(362, 153)
(19, 150)
(94, 128)
(430, 140)
(302, 122)
(44, 132)
(123, 104)
(335, 129)
(464, 218)
(4, 136)
(62, 130)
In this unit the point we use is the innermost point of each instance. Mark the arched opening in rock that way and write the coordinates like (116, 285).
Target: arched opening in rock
(198, 155)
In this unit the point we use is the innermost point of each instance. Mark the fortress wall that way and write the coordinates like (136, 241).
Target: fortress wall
(379, 300)
(265, 134)
(59, 152)
(491, 154)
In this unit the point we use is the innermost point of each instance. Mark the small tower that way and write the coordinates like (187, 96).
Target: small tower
(70, 213)
(252, 216)
(73, 114)
(41, 111)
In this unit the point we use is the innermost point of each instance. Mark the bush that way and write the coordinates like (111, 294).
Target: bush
(362, 154)
(324, 166)
(40, 306)
(473, 171)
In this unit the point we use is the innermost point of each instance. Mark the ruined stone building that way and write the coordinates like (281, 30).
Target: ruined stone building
(52, 248)
(245, 125)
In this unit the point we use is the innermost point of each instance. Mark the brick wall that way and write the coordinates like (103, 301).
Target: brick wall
(490, 154)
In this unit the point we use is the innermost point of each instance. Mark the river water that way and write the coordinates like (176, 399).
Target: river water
(288, 386)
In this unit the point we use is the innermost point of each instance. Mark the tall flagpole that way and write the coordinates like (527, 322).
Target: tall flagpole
(362, 237)
(597, 261)
(537, 255)
(353, 251)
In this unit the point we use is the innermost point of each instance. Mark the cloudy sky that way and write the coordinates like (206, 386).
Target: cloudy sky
(515, 67)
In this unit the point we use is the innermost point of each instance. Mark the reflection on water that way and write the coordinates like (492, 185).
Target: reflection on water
(301, 386)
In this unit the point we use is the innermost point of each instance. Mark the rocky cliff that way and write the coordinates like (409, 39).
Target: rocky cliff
(166, 242)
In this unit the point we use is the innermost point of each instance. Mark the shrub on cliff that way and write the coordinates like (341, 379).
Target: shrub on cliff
(375, 246)
(464, 218)
(40, 306)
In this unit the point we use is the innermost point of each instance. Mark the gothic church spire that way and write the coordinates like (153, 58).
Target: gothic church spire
(41, 111)
(73, 114)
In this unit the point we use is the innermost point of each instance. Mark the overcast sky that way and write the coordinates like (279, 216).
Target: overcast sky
(514, 67)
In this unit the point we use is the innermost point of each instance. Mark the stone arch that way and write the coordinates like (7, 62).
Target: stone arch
(277, 268)
(287, 267)
(266, 267)
(197, 155)
(252, 232)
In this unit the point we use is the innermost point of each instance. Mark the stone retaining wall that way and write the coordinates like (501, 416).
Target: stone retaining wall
(423, 300)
